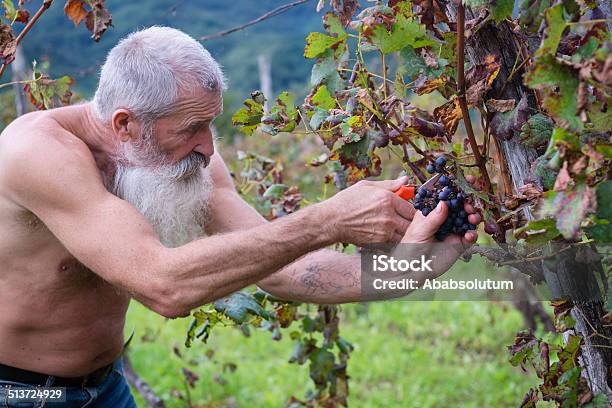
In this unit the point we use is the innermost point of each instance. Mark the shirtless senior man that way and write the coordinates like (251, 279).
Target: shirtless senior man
(123, 197)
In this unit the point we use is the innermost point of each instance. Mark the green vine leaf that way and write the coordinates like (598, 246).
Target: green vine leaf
(239, 306)
(10, 12)
(559, 83)
(318, 43)
(531, 13)
(333, 26)
(45, 93)
(323, 99)
(283, 116)
(325, 72)
(546, 174)
(555, 25)
(538, 232)
(561, 137)
(248, 119)
(602, 231)
(404, 32)
(321, 365)
(501, 9)
(536, 132)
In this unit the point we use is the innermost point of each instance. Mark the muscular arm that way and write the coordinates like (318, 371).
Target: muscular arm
(323, 276)
(326, 276)
(62, 186)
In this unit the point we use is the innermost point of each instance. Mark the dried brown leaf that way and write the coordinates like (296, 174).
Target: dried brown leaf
(604, 75)
(449, 115)
(98, 19)
(530, 191)
(431, 85)
(345, 9)
(500, 105)
(75, 10)
(8, 45)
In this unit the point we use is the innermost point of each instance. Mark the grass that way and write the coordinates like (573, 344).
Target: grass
(407, 354)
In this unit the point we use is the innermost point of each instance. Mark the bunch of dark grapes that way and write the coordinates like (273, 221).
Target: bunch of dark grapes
(445, 190)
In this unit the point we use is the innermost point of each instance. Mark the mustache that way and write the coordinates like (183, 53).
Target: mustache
(187, 167)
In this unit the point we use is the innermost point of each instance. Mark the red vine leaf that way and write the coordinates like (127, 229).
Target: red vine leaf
(97, 18)
(22, 16)
(563, 179)
(190, 377)
(570, 208)
(431, 13)
(562, 316)
(426, 128)
(524, 349)
(472, 24)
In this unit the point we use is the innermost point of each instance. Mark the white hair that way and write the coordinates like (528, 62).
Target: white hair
(148, 70)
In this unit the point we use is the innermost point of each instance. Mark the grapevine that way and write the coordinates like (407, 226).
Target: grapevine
(540, 85)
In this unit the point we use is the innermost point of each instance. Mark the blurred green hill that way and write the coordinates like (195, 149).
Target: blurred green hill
(71, 51)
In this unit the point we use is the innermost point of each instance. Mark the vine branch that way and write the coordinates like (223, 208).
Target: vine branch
(480, 161)
(269, 14)
(46, 4)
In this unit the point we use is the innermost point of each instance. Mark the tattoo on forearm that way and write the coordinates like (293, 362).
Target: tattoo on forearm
(317, 279)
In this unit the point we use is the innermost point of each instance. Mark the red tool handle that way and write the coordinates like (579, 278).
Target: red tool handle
(406, 192)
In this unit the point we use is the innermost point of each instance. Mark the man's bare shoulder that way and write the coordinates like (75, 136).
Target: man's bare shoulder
(35, 149)
(221, 176)
(39, 132)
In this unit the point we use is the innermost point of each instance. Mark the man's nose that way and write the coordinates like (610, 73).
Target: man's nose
(204, 143)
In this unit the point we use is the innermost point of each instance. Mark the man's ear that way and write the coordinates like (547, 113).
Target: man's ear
(125, 125)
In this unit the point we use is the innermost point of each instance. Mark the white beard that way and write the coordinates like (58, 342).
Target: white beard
(177, 207)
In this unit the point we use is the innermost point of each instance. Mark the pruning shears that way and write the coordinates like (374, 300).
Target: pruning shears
(409, 191)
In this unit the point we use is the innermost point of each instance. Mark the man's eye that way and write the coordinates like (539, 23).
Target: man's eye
(197, 127)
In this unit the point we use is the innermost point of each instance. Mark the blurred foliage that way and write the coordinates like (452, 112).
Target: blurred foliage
(434, 354)
(55, 37)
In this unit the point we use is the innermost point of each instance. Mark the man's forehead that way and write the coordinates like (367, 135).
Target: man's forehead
(206, 103)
